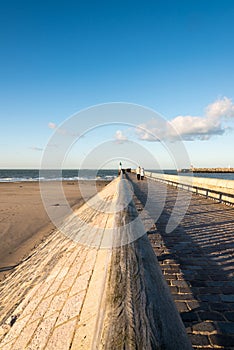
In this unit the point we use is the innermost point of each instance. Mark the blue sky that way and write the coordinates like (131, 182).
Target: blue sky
(173, 56)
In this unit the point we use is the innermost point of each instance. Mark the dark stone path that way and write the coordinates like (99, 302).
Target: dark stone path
(197, 260)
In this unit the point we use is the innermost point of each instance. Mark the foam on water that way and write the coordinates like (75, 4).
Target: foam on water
(21, 175)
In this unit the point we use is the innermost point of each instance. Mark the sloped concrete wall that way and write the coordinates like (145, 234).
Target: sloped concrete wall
(139, 310)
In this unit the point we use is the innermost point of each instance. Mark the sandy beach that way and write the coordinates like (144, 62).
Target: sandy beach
(24, 222)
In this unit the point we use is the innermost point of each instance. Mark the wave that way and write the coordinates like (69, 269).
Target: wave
(67, 175)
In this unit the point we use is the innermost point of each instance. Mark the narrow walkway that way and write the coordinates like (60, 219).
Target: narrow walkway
(197, 260)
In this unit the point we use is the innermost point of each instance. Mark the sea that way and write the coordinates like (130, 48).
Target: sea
(224, 176)
(30, 175)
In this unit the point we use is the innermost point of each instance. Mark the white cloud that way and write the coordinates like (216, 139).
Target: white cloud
(153, 130)
(221, 108)
(62, 131)
(120, 137)
(36, 148)
(52, 125)
(190, 127)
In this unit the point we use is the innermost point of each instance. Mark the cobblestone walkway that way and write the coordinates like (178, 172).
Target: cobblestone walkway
(197, 260)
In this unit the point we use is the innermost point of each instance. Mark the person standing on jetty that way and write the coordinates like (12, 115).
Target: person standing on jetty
(142, 173)
(138, 172)
(120, 168)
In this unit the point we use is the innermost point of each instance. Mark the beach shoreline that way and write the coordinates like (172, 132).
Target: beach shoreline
(24, 222)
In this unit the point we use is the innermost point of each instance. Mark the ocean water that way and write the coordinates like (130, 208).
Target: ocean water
(225, 176)
(18, 175)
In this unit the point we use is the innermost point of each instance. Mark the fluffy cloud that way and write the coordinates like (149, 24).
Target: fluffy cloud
(221, 108)
(190, 127)
(52, 125)
(120, 137)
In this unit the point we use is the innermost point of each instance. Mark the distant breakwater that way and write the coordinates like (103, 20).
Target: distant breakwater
(212, 170)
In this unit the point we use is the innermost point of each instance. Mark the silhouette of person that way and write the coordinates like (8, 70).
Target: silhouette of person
(138, 172)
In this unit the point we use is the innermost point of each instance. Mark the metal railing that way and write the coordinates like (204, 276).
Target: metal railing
(218, 193)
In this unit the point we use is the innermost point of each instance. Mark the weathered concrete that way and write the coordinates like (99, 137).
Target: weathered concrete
(53, 297)
(139, 311)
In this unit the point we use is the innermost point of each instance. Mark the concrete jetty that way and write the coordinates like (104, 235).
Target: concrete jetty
(103, 289)
(196, 258)
(116, 287)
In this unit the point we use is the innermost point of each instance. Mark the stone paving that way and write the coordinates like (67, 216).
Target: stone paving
(197, 260)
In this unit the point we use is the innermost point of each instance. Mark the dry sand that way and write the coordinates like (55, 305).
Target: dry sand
(24, 222)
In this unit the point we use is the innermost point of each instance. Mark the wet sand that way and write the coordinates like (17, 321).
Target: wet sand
(24, 222)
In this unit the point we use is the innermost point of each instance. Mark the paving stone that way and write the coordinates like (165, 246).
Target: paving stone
(216, 283)
(193, 304)
(221, 340)
(227, 289)
(187, 297)
(209, 290)
(178, 283)
(219, 277)
(25, 336)
(41, 309)
(198, 339)
(213, 316)
(57, 303)
(189, 316)
(69, 279)
(181, 306)
(61, 337)
(9, 346)
(174, 290)
(42, 332)
(71, 308)
(31, 307)
(196, 283)
(219, 307)
(168, 276)
(211, 298)
(16, 330)
(80, 283)
(225, 328)
(185, 290)
(229, 298)
(229, 315)
(204, 327)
